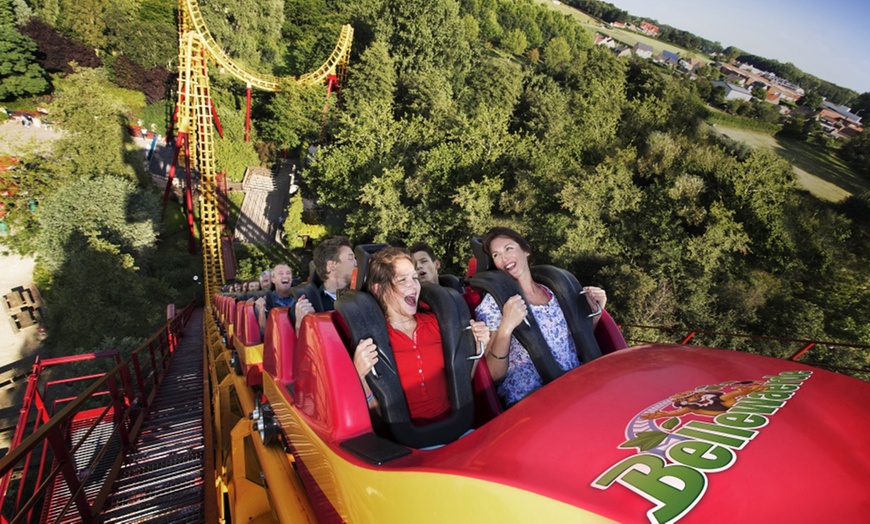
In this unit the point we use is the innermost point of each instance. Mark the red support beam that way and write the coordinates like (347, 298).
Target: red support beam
(688, 338)
(802, 351)
(188, 198)
(217, 120)
(179, 142)
(174, 118)
(248, 113)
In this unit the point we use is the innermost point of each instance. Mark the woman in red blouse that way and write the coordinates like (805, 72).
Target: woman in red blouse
(414, 337)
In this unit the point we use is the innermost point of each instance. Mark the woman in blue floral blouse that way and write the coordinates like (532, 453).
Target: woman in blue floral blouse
(509, 363)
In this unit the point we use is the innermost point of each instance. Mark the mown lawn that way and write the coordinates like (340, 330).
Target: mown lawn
(624, 36)
(817, 170)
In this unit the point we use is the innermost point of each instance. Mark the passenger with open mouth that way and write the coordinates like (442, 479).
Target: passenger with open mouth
(508, 362)
(281, 294)
(426, 262)
(414, 337)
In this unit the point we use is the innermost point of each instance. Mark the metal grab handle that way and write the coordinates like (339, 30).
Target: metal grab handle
(480, 354)
(595, 314)
(384, 358)
(482, 351)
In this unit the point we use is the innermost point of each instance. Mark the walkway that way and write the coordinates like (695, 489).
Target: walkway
(162, 477)
(266, 196)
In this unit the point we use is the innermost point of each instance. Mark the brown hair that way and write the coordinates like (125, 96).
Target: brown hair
(506, 232)
(382, 271)
(326, 251)
(426, 248)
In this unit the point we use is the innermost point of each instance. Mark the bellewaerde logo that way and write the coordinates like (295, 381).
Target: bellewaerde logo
(679, 445)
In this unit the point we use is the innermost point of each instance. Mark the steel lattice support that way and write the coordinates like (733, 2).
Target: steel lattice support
(195, 118)
(194, 127)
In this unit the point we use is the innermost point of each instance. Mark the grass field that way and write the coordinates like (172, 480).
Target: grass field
(818, 171)
(629, 38)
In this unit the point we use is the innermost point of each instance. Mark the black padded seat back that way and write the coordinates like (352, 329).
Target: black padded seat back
(312, 274)
(451, 281)
(574, 306)
(363, 253)
(253, 295)
(502, 286)
(484, 262)
(364, 319)
(311, 292)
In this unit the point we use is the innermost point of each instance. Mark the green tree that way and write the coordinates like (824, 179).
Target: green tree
(95, 138)
(293, 115)
(861, 105)
(515, 42)
(490, 29)
(812, 100)
(105, 208)
(84, 20)
(248, 31)
(759, 92)
(98, 297)
(426, 36)
(20, 74)
(47, 10)
(857, 153)
(557, 55)
(301, 223)
(143, 30)
(232, 154)
(22, 11)
(731, 53)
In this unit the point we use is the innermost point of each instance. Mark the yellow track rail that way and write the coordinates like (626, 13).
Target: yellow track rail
(194, 118)
(261, 81)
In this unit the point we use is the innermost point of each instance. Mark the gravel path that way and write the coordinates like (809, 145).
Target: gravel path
(15, 139)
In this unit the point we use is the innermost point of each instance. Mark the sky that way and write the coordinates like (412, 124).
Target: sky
(827, 39)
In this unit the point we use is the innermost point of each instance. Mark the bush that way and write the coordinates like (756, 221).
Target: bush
(55, 51)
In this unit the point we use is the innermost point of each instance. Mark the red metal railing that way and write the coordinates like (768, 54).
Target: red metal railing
(107, 414)
(687, 337)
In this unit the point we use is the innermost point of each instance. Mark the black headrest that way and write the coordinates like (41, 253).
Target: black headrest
(363, 253)
(484, 262)
(252, 294)
(574, 306)
(365, 319)
(312, 274)
(451, 281)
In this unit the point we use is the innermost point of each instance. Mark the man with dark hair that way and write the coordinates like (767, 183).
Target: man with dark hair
(279, 296)
(334, 262)
(425, 261)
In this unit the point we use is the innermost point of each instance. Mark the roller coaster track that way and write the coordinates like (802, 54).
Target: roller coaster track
(338, 57)
(195, 117)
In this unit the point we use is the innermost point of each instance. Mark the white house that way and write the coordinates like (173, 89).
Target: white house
(734, 92)
(643, 50)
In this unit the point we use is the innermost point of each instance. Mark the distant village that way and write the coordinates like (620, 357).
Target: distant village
(739, 81)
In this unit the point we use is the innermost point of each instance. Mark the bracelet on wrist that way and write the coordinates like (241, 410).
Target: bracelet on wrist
(498, 357)
(370, 397)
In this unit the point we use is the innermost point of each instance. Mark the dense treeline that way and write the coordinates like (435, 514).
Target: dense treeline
(603, 10)
(810, 83)
(463, 114)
